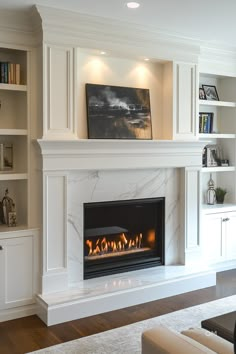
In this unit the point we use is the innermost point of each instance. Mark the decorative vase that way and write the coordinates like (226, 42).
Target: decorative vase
(211, 194)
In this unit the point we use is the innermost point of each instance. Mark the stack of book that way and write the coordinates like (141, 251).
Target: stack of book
(205, 122)
(9, 73)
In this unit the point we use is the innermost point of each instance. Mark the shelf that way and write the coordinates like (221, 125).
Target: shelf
(216, 136)
(13, 87)
(15, 231)
(13, 132)
(218, 169)
(5, 228)
(11, 176)
(217, 103)
(216, 208)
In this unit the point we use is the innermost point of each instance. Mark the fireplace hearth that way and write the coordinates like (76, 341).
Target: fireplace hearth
(121, 236)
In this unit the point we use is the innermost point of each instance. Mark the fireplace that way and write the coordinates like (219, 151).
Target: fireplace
(121, 236)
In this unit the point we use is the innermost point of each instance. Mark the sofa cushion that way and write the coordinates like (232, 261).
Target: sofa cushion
(162, 340)
(210, 340)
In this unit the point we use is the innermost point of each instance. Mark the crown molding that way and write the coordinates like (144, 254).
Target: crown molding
(16, 28)
(63, 27)
(93, 32)
(220, 59)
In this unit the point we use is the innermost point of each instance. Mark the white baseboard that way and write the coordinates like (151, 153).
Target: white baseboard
(18, 312)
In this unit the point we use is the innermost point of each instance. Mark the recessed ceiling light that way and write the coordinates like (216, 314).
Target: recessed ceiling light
(146, 59)
(102, 53)
(133, 5)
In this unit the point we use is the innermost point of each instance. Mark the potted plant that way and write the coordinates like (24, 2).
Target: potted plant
(220, 195)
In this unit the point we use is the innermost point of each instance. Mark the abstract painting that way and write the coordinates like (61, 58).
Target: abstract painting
(116, 112)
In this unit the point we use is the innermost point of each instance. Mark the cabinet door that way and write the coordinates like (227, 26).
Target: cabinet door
(230, 223)
(212, 238)
(16, 272)
(185, 101)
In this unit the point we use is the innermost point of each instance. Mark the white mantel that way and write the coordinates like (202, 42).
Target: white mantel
(119, 154)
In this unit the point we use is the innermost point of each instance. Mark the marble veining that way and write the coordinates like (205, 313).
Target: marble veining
(106, 286)
(109, 185)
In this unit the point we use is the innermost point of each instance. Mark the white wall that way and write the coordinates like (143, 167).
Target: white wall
(106, 70)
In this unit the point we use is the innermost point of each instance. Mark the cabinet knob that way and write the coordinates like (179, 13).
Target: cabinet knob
(226, 219)
(1, 248)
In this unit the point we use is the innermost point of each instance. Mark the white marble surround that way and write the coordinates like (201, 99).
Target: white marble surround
(94, 186)
(77, 172)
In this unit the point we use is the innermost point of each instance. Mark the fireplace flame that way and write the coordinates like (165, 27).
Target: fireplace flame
(90, 246)
(103, 246)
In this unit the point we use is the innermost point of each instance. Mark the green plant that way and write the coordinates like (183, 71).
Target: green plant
(220, 194)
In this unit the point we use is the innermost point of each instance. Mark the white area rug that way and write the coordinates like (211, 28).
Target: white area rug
(127, 339)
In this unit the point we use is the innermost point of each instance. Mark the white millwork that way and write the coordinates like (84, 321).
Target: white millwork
(19, 275)
(93, 171)
(55, 233)
(59, 76)
(218, 221)
(191, 210)
(19, 245)
(218, 233)
(51, 186)
(185, 101)
(179, 101)
(86, 170)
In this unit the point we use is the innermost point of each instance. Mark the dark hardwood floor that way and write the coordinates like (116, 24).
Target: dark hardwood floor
(30, 333)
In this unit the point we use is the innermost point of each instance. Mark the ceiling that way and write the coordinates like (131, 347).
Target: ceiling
(213, 21)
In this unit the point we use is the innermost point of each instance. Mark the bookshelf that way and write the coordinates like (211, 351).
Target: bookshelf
(14, 130)
(223, 133)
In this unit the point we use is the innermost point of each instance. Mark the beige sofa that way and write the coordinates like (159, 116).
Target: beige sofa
(162, 340)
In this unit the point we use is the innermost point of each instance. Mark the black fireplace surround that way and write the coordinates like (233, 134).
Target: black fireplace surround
(121, 236)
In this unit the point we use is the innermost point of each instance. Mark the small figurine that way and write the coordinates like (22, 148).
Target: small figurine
(8, 208)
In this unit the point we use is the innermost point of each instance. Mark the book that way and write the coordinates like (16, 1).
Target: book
(17, 77)
(205, 122)
(10, 73)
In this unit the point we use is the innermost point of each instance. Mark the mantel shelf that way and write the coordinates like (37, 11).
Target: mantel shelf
(119, 154)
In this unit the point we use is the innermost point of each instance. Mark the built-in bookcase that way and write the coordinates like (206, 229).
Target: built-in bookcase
(14, 129)
(223, 132)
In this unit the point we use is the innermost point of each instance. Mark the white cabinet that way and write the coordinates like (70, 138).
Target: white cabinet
(230, 228)
(218, 238)
(18, 269)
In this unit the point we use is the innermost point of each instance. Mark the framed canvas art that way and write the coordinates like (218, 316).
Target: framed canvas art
(115, 112)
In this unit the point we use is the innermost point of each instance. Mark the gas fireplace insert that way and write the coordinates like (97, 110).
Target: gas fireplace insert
(121, 236)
